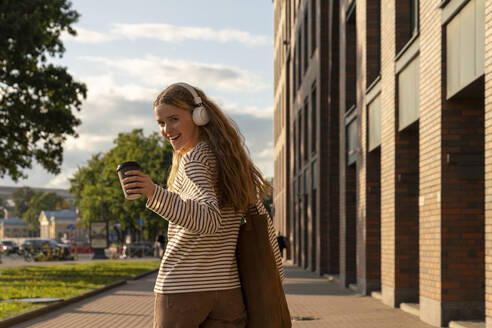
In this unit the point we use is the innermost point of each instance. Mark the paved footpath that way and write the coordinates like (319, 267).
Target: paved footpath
(131, 306)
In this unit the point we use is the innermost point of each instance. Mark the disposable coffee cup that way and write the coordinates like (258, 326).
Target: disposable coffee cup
(122, 169)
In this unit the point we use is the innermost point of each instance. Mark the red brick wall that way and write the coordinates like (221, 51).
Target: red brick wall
(373, 217)
(463, 200)
(407, 212)
(329, 133)
(348, 253)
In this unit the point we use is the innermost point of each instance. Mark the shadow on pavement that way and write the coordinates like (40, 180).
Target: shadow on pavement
(310, 288)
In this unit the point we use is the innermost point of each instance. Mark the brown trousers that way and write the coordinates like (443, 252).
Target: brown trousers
(212, 309)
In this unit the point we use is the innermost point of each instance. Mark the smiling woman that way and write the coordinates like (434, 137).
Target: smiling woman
(212, 185)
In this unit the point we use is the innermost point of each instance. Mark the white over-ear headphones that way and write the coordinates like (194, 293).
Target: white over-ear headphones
(200, 115)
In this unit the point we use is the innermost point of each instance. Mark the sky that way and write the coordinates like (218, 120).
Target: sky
(128, 51)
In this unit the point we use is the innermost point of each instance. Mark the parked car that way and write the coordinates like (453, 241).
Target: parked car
(9, 247)
(138, 249)
(37, 245)
(45, 250)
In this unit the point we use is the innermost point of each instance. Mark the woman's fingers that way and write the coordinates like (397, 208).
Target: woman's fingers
(135, 191)
(138, 182)
(131, 185)
(134, 178)
(134, 172)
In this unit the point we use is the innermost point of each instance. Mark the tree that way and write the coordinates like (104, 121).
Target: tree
(2, 212)
(97, 189)
(41, 201)
(37, 98)
(21, 197)
(268, 201)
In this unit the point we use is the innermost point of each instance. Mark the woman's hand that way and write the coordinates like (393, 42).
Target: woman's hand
(137, 182)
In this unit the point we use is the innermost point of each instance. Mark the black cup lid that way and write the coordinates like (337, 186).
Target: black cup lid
(125, 164)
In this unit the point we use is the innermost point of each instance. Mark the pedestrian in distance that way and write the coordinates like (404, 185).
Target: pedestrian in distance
(211, 185)
(281, 244)
(162, 240)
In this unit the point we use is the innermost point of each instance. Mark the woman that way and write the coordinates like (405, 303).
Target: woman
(211, 185)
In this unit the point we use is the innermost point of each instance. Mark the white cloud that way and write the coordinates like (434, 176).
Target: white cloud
(102, 88)
(89, 143)
(266, 153)
(168, 33)
(87, 36)
(154, 71)
(61, 180)
(173, 33)
(232, 108)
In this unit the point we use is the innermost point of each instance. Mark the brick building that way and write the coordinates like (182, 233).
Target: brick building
(382, 128)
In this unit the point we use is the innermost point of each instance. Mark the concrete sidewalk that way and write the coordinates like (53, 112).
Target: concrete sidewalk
(309, 296)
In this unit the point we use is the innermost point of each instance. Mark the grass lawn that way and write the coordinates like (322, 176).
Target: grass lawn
(63, 281)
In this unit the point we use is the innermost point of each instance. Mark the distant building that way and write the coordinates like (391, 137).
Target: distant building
(6, 195)
(15, 228)
(57, 224)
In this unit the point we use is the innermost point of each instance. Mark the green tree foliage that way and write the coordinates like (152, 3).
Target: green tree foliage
(37, 98)
(2, 204)
(97, 188)
(41, 201)
(268, 202)
(21, 197)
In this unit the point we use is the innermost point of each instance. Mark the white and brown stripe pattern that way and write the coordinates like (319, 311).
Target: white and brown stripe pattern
(200, 254)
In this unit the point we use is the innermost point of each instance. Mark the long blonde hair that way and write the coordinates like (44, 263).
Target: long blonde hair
(239, 180)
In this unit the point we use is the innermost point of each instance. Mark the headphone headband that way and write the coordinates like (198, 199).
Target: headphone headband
(196, 97)
(199, 115)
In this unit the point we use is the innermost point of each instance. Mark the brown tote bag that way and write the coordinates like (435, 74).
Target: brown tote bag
(262, 288)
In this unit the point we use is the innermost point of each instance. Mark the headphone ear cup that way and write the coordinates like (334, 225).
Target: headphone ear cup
(200, 116)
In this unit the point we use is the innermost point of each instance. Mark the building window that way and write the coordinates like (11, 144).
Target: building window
(314, 186)
(350, 59)
(414, 17)
(306, 38)
(314, 176)
(294, 188)
(465, 46)
(306, 129)
(314, 119)
(306, 181)
(373, 41)
(294, 75)
(299, 59)
(299, 126)
(407, 22)
(295, 147)
(288, 18)
(374, 118)
(300, 185)
(313, 26)
(351, 142)
(408, 94)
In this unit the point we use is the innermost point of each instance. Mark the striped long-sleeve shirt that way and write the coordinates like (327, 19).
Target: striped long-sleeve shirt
(200, 254)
